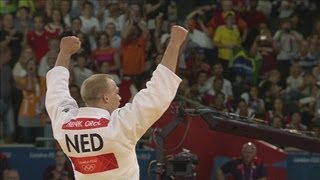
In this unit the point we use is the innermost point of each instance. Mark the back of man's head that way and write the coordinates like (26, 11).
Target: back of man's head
(93, 88)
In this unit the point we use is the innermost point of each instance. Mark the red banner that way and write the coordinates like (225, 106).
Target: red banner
(95, 164)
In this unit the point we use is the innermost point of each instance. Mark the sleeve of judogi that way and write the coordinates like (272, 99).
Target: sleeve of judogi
(58, 99)
(149, 104)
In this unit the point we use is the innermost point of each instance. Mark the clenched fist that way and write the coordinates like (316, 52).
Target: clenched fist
(178, 34)
(70, 45)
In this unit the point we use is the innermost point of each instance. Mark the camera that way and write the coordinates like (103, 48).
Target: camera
(182, 165)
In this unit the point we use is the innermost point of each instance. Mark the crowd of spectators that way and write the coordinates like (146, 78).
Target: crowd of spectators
(251, 57)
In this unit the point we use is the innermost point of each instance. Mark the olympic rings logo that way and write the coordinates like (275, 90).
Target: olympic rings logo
(88, 167)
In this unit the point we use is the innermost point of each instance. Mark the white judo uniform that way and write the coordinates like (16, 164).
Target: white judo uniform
(101, 145)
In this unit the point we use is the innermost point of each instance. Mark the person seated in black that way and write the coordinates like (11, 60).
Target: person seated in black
(247, 167)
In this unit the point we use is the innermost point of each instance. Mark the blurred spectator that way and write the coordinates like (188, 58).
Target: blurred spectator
(309, 81)
(115, 40)
(47, 61)
(154, 8)
(286, 9)
(134, 46)
(199, 36)
(86, 47)
(288, 42)
(278, 110)
(243, 109)
(316, 72)
(265, 6)
(219, 19)
(81, 72)
(23, 21)
(172, 11)
(111, 13)
(294, 83)
(270, 88)
(49, 5)
(276, 122)
(190, 92)
(65, 7)
(77, 7)
(254, 19)
(127, 90)
(105, 53)
(246, 167)
(75, 94)
(254, 101)
(307, 55)
(295, 122)
(264, 47)
(74, 28)
(90, 24)
(200, 81)
(28, 118)
(56, 23)
(45, 65)
(11, 174)
(104, 68)
(161, 34)
(308, 106)
(226, 85)
(9, 36)
(197, 63)
(217, 102)
(217, 85)
(6, 99)
(227, 38)
(20, 71)
(60, 170)
(38, 39)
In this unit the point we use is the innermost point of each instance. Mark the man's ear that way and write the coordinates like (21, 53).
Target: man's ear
(105, 98)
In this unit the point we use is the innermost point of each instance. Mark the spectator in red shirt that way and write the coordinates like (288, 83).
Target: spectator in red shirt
(38, 39)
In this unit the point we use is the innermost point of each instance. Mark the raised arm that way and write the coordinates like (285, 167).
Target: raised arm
(68, 46)
(58, 98)
(177, 39)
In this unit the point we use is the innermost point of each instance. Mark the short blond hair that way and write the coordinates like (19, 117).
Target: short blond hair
(93, 87)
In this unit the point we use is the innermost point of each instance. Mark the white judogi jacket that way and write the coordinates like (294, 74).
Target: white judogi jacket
(101, 145)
